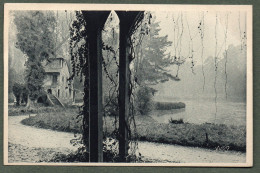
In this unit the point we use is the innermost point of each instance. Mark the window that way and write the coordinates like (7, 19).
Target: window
(54, 80)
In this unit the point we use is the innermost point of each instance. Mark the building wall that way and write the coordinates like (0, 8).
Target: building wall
(61, 89)
(48, 80)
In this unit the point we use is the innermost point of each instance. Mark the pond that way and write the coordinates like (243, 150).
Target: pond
(205, 111)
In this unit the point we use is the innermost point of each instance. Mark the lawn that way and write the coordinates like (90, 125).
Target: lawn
(23, 110)
(206, 135)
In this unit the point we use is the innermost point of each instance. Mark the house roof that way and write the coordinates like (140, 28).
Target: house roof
(49, 69)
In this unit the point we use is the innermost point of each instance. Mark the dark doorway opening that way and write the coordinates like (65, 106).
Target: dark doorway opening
(49, 91)
(54, 80)
(42, 99)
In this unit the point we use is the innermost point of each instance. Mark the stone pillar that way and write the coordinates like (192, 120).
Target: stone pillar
(95, 22)
(127, 19)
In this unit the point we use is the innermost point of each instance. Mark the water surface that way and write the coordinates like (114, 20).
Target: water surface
(205, 111)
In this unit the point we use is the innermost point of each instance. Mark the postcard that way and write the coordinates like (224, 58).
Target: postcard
(128, 85)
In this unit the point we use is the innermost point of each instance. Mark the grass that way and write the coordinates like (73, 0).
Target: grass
(169, 105)
(213, 136)
(59, 120)
(23, 110)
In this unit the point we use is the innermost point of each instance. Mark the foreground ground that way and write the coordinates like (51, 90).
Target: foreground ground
(18, 153)
(30, 144)
(212, 136)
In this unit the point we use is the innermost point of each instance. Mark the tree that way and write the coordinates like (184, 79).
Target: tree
(20, 93)
(35, 75)
(153, 60)
(151, 64)
(35, 38)
(13, 77)
(15, 66)
(144, 100)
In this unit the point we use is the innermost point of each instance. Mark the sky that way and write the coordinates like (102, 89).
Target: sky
(236, 26)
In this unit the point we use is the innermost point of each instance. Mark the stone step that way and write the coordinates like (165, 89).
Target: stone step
(54, 100)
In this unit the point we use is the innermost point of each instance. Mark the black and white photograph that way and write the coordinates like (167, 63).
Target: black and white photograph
(128, 85)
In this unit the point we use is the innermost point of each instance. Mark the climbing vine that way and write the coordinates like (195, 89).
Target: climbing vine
(80, 67)
(110, 64)
(139, 32)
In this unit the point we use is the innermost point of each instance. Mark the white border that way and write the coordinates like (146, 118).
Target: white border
(137, 7)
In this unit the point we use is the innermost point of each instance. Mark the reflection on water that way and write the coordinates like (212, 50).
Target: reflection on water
(200, 111)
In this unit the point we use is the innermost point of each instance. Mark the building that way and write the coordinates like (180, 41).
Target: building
(56, 83)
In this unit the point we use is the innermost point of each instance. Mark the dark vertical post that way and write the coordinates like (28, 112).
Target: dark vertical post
(123, 88)
(95, 96)
(127, 20)
(95, 21)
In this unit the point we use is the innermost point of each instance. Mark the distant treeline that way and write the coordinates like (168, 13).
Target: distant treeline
(169, 105)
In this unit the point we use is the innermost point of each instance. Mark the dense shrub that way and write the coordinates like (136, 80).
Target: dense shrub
(37, 108)
(10, 98)
(169, 105)
(20, 92)
(56, 119)
(144, 103)
(111, 106)
(179, 121)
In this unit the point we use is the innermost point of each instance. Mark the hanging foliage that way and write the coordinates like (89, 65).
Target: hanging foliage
(191, 50)
(80, 67)
(216, 66)
(201, 31)
(226, 53)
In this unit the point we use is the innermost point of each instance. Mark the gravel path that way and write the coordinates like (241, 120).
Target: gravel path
(30, 144)
(22, 154)
(36, 137)
(180, 154)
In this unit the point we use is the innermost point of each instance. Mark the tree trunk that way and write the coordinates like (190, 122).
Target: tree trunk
(17, 100)
(28, 104)
(20, 99)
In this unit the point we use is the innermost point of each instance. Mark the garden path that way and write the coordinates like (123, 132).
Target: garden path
(48, 139)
